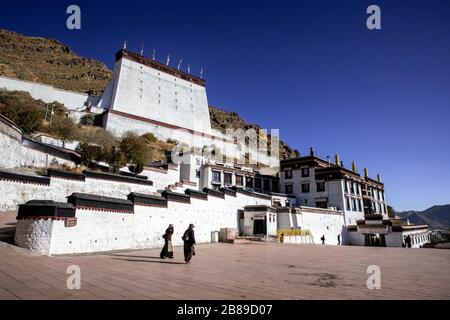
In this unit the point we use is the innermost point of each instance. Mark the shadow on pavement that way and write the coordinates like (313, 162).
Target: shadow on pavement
(150, 261)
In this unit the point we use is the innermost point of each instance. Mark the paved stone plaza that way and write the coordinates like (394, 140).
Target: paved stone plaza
(227, 271)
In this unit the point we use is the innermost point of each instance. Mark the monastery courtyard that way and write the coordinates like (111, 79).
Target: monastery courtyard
(230, 271)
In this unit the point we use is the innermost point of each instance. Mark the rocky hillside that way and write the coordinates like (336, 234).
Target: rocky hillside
(51, 62)
(437, 217)
(221, 120)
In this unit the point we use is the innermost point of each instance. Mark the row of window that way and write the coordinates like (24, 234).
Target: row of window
(249, 181)
(355, 188)
(420, 238)
(320, 187)
(353, 204)
(378, 208)
(304, 172)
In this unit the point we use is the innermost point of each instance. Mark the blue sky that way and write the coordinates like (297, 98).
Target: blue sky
(310, 68)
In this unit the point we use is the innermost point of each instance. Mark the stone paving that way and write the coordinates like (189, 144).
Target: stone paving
(230, 271)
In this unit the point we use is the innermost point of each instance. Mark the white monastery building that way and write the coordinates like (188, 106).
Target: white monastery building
(297, 201)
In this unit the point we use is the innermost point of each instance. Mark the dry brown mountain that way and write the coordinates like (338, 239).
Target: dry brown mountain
(51, 62)
(221, 120)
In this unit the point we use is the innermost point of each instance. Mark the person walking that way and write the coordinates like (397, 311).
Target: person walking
(339, 239)
(167, 250)
(408, 241)
(323, 239)
(189, 242)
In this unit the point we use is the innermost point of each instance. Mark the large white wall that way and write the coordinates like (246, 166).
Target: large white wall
(319, 222)
(150, 93)
(15, 154)
(98, 231)
(15, 193)
(71, 100)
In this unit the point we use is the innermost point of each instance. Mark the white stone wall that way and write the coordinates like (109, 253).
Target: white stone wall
(418, 237)
(14, 154)
(98, 231)
(150, 93)
(356, 238)
(16, 193)
(71, 100)
(35, 235)
(320, 222)
(10, 149)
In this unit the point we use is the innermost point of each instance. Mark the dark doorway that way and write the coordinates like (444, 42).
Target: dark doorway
(259, 226)
(375, 240)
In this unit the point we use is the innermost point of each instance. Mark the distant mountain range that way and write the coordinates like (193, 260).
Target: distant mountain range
(437, 217)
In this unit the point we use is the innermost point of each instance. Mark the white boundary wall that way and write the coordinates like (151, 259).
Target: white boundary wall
(327, 222)
(15, 193)
(395, 238)
(71, 100)
(13, 153)
(98, 231)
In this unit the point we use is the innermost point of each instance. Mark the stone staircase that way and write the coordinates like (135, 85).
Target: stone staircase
(180, 187)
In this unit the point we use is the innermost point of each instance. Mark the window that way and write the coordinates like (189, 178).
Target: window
(352, 188)
(345, 186)
(305, 187)
(216, 177)
(227, 178)
(354, 204)
(288, 189)
(239, 180)
(258, 183)
(322, 204)
(348, 204)
(288, 174)
(197, 173)
(320, 186)
(305, 172)
(249, 182)
(266, 185)
(275, 186)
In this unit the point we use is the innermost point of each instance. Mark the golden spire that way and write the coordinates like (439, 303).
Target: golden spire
(354, 166)
(337, 159)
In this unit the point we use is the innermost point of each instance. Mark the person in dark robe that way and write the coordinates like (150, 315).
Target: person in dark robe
(323, 239)
(339, 239)
(167, 250)
(408, 241)
(189, 242)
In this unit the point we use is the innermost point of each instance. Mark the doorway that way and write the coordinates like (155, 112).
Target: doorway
(375, 240)
(259, 226)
